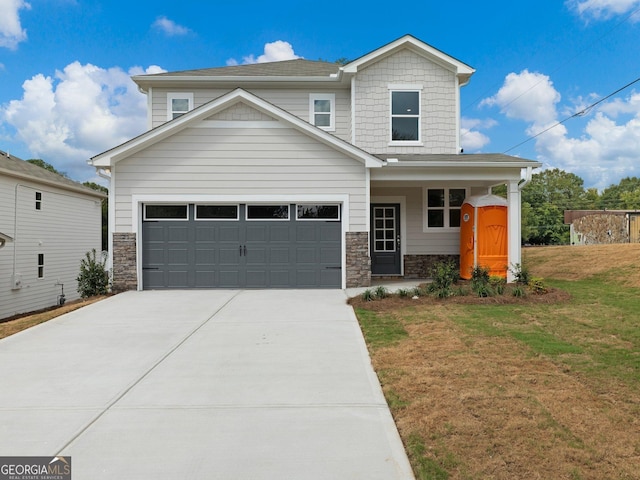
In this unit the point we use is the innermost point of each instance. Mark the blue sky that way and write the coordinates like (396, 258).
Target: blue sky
(65, 92)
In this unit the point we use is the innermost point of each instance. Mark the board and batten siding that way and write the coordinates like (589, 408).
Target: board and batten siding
(293, 101)
(239, 162)
(66, 227)
(438, 101)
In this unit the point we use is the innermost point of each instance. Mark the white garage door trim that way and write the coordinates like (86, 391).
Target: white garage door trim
(137, 202)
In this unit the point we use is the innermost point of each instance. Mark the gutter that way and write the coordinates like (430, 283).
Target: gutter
(527, 178)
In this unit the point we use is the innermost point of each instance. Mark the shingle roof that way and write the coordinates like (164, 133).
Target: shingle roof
(285, 68)
(15, 166)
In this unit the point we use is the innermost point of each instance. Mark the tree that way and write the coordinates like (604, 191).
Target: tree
(547, 196)
(47, 166)
(622, 195)
(105, 212)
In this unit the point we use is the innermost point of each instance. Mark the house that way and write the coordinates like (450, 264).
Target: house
(48, 223)
(596, 227)
(300, 174)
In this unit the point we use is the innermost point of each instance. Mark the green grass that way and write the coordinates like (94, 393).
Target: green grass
(380, 330)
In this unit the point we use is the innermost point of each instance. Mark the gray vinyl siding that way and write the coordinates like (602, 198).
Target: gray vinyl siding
(67, 226)
(294, 101)
(439, 105)
(239, 162)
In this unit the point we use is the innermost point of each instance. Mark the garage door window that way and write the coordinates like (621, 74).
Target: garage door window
(166, 212)
(267, 212)
(217, 212)
(318, 212)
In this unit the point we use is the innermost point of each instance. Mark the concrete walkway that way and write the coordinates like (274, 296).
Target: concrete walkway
(261, 384)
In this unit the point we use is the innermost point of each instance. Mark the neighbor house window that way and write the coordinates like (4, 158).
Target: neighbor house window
(443, 207)
(322, 110)
(41, 265)
(405, 114)
(38, 200)
(178, 104)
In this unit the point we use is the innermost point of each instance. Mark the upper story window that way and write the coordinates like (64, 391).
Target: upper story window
(443, 207)
(38, 200)
(322, 110)
(405, 113)
(178, 104)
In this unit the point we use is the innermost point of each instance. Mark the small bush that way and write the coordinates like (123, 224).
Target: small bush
(480, 281)
(444, 276)
(93, 278)
(498, 284)
(404, 292)
(537, 286)
(368, 295)
(521, 274)
(381, 292)
(519, 291)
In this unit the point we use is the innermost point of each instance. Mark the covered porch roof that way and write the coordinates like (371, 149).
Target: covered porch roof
(480, 169)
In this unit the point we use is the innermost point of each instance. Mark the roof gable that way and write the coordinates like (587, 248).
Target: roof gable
(462, 70)
(222, 104)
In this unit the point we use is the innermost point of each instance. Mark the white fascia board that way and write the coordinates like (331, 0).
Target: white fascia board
(110, 157)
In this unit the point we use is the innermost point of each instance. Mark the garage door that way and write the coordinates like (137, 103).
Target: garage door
(241, 246)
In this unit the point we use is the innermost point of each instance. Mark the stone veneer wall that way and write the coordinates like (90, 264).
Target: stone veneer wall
(358, 260)
(420, 266)
(125, 275)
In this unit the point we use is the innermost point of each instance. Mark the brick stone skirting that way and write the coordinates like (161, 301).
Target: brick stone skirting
(358, 261)
(419, 266)
(125, 275)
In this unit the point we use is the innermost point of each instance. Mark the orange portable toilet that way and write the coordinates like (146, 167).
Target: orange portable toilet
(484, 235)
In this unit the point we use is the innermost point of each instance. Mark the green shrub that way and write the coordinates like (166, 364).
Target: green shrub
(368, 295)
(498, 284)
(381, 292)
(480, 281)
(93, 278)
(444, 276)
(521, 274)
(403, 292)
(519, 291)
(537, 286)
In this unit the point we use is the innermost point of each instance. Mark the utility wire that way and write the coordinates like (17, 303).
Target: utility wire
(563, 65)
(581, 113)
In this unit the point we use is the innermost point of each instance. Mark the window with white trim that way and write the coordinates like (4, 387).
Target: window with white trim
(41, 265)
(38, 200)
(322, 110)
(178, 104)
(443, 205)
(166, 212)
(405, 115)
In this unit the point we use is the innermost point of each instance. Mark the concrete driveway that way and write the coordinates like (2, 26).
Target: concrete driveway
(260, 384)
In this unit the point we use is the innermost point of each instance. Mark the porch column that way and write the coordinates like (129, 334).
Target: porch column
(514, 226)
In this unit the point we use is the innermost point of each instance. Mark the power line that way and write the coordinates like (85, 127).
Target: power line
(581, 113)
(563, 65)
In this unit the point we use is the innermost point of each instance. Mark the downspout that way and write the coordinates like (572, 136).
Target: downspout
(106, 174)
(527, 178)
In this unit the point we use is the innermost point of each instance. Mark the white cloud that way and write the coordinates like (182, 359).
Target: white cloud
(79, 112)
(273, 52)
(169, 27)
(471, 138)
(608, 147)
(11, 31)
(603, 9)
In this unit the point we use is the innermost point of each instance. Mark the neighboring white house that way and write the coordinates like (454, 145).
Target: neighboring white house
(48, 223)
(300, 174)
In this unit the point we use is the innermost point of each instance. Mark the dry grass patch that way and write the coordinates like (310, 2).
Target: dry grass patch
(541, 387)
(12, 325)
